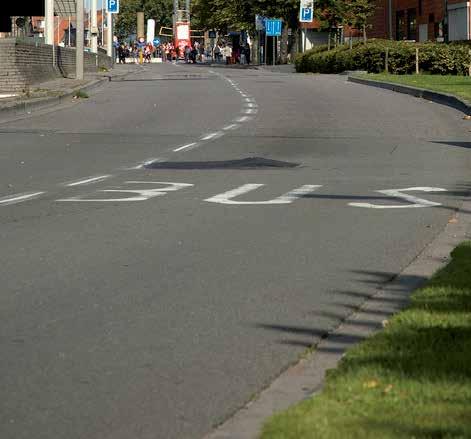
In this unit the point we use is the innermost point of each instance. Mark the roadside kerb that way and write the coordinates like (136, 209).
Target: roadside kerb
(437, 97)
(306, 378)
(27, 106)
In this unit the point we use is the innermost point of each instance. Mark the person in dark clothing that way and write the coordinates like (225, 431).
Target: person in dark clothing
(247, 54)
(122, 54)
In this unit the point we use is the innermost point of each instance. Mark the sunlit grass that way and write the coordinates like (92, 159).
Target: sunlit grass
(455, 85)
(412, 380)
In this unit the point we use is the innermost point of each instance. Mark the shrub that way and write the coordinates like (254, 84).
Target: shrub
(434, 58)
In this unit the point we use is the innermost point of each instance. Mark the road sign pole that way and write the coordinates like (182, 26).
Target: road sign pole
(79, 41)
(109, 35)
(93, 26)
(274, 42)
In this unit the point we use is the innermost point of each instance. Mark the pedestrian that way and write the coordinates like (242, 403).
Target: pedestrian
(247, 54)
(217, 53)
(122, 54)
(148, 52)
(187, 54)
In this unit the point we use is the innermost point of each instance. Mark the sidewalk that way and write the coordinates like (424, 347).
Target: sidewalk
(49, 93)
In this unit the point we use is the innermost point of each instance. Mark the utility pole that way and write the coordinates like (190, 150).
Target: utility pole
(49, 22)
(93, 26)
(79, 42)
(109, 35)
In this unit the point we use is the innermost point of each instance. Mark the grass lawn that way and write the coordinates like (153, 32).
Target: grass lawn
(411, 380)
(456, 85)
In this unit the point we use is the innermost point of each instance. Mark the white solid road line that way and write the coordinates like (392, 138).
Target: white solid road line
(181, 148)
(88, 180)
(18, 198)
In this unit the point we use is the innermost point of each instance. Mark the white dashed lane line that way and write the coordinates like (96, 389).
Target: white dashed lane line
(189, 145)
(88, 180)
(19, 198)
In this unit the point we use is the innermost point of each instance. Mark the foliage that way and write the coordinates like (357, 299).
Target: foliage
(434, 58)
(356, 13)
(126, 24)
(224, 15)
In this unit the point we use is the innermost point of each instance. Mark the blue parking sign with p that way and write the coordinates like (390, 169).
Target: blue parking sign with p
(112, 6)
(306, 15)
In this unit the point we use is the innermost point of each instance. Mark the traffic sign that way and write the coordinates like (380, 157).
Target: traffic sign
(112, 6)
(306, 11)
(306, 15)
(273, 27)
(156, 42)
(259, 22)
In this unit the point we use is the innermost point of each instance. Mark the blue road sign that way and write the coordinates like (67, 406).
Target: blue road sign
(112, 6)
(273, 27)
(306, 15)
(156, 41)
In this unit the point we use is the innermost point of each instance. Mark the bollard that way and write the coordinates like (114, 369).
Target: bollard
(417, 71)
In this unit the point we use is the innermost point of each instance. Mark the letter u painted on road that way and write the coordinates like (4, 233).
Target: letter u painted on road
(288, 198)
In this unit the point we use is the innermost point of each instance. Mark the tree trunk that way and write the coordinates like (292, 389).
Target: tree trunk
(284, 45)
(364, 33)
(328, 41)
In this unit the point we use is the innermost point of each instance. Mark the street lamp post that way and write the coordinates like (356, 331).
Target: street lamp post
(79, 41)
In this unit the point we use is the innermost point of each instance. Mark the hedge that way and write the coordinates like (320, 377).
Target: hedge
(435, 58)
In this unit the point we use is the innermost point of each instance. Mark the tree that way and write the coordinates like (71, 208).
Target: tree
(357, 14)
(126, 24)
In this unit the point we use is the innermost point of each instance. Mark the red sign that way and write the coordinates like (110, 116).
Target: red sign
(183, 38)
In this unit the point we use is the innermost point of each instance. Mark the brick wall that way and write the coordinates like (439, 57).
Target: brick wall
(25, 63)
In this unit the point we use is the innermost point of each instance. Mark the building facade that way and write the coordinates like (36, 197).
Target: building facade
(422, 20)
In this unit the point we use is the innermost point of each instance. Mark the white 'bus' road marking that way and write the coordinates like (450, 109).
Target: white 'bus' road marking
(398, 193)
(189, 145)
(140, 194)
(18, 198)
(250, 111)
(288, 198)
(251, 105)
(89, 180)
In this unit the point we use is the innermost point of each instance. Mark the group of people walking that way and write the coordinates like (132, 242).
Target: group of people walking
(220, 53)
(134, 52)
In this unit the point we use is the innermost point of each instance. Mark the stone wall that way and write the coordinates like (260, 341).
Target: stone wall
(24, 63)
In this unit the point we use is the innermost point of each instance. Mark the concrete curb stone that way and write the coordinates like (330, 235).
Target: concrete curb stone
(306, 378)
(437, 97)
(27, 106)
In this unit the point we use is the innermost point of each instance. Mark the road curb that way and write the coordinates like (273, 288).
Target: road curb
(28, 106)
(439, 98)
(306, 378)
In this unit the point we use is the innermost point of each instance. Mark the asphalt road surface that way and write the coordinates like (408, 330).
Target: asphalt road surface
(153, 300)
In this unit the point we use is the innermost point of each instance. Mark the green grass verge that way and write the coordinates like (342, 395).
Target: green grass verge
(456, 85)
(411, 380)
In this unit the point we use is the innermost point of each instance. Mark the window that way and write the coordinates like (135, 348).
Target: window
(400, 22)
(411, 24)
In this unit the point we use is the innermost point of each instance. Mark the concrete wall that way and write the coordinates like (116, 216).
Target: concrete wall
(25, 63)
